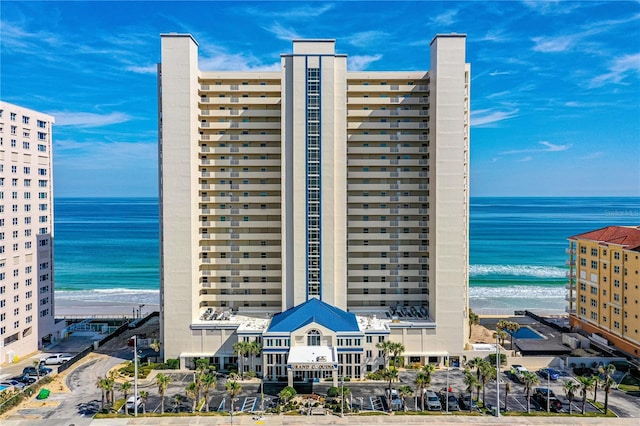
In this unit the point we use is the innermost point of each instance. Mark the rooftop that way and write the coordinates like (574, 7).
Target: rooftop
(314, 310)
(626, 236)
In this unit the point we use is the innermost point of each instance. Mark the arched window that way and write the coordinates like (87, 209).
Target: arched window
(313, 338)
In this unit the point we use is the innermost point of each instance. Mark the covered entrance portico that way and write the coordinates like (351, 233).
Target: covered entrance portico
(312, 362)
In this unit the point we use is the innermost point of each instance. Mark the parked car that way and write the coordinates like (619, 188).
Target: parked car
(132, 402)
(431, 401)
(12, 383)
(517, 372)
(467, 402)
(549, 373)
(540, 397)
(453, 401)
(57, 359)
(396, 402)
(27, 380)
(31, 371)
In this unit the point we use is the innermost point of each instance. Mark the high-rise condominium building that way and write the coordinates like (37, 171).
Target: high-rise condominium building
(314, 207)
(26, 231)
(604, 280)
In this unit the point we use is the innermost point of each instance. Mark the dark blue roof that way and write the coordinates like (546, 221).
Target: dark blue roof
(314, 310)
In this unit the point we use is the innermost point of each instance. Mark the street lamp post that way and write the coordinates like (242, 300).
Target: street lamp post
(262, 395)
(447, 362)
(548, 389)
(497, 377)
(135, 376)
(342, 399)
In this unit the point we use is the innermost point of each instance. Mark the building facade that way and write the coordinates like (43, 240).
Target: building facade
(26, 232)
(313, 182)
(604, 280)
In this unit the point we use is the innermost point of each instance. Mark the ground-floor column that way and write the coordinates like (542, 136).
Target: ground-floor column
(335, 377)
(289, 377)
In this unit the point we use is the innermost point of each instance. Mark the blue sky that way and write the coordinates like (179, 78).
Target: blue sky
(555, 85)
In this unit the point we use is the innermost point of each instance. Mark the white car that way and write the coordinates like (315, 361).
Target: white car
(132, 402)
(57, 359)
(518, 371)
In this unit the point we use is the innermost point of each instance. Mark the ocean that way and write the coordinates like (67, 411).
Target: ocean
(106, 249)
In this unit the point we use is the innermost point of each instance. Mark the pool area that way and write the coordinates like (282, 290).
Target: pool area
(526, 333)
(3, 388)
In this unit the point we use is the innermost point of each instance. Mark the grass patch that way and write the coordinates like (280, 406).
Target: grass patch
(629, 388)
(552, 414)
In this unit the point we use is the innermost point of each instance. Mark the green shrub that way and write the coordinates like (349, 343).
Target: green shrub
(503, 359)
(173, 364)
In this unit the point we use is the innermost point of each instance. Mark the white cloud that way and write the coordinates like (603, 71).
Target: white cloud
(553, 44)
(149, 69)
(592, 155)
(548, 147)
(286, 34)
(361, 62)
(92, 155)
(525, 159)
(89, 119)
(366, 38)
(310, 11)
(496, 73)
(551, 7)
(445, 18)
(485, 117)
(619, 69)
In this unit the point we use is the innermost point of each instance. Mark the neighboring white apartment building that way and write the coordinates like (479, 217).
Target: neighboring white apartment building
(314, 182)
(26, 232)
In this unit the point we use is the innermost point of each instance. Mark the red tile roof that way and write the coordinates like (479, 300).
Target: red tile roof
(626, 236)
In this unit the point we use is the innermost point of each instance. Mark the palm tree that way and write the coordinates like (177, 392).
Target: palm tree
(421, 382)
(471, 381)
(596, 382)
(125, 388)
(177, 400)
(405, 391)
(144, 395)
(487, 373)
(208, 381)
(110, 383)
(254, 350)
(241, 349)
(608, 383)
(512, 328)
(233, 388)
(100, 384)
(192, 393)
(501, 334)
(474, 319)
(585, 383)
(475, 364)
(397, 348)
(386, 347)
(529, 380)
(163, 381)
(507, 389)
(570, 389)
(390, 374)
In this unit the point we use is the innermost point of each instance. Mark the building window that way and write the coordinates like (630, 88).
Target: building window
(313, 338)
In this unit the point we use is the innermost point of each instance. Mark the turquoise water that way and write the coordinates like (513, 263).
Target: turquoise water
(107, 248)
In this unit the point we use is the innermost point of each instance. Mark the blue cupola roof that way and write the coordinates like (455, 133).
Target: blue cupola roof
(314, 310)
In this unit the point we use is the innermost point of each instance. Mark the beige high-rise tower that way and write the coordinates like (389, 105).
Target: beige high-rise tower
(313, 182)
(26, 232)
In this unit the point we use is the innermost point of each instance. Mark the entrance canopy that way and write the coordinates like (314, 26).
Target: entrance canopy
(312, 358)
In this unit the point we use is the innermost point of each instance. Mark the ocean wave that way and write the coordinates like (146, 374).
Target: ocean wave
(525, 292)
(517, 271)
(111, 295)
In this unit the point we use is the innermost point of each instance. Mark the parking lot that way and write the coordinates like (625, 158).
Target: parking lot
(367, 396)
